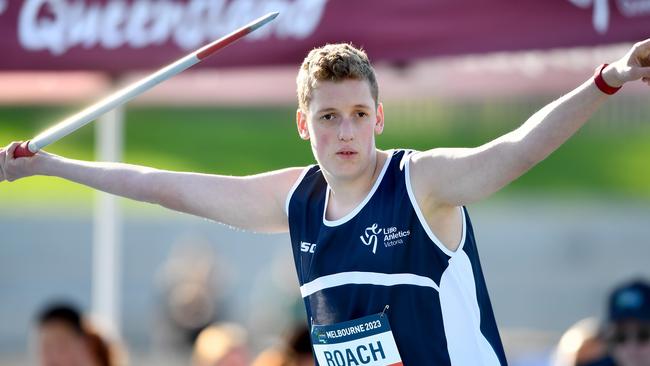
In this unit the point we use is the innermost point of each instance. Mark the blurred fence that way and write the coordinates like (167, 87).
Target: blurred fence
(486, 116)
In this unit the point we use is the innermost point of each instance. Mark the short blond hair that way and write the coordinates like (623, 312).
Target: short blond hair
(334, 62)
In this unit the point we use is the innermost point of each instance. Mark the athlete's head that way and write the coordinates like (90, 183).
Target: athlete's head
(339, 110)
(334, 62)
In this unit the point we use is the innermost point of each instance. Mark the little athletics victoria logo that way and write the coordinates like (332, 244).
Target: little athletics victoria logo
(390, 236)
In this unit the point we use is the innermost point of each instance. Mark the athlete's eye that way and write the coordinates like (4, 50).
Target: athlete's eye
(328, 116)
(362, 114)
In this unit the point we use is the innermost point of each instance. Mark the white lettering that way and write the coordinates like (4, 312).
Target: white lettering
(3, 6)
(396, 235)
(357, 329)
(44, 33)
(601, 12)
(632, 8)
(307, 247)
(59, 25)
(84, 31)
(390, 230)
(115, 15)
(166, 16)
(302, 19)
(136, 28)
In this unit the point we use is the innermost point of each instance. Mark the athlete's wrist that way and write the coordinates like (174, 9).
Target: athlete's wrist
(606, 79)
(45, 164)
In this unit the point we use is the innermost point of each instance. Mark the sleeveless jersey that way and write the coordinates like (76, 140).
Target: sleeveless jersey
(383, 253)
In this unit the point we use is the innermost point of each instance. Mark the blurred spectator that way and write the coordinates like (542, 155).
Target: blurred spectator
(189, 284)
(223, 344)
(628, 325)
(66, 339)
(273, 356)
(296, 351)
(582, 345)
(299, 352)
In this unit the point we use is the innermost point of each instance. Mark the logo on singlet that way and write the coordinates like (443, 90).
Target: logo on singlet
(390, 236)
(306, 247)
(369, 237)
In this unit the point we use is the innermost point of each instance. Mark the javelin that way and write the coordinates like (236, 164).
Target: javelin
(73, 123)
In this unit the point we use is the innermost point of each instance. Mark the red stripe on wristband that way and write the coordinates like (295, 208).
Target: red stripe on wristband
(600, 82)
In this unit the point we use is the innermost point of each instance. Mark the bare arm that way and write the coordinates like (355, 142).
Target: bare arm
(253, 203)
(454, 177)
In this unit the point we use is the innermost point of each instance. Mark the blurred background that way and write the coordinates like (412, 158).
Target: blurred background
(451, 73)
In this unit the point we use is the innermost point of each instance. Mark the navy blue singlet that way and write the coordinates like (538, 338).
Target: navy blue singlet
(383, 253)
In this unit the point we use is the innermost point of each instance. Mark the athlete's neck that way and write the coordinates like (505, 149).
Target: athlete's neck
(346, 194)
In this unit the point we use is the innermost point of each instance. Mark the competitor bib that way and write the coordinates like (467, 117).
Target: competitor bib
(364, 341)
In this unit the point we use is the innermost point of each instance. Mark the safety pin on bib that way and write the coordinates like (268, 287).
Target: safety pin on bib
(384, 311)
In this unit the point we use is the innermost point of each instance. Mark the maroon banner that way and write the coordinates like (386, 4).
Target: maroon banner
(120, 35)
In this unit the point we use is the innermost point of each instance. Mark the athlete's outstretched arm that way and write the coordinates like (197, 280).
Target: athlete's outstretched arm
(453, 177)
(253, 203)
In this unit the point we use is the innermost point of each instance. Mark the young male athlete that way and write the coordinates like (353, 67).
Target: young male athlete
(383, 246)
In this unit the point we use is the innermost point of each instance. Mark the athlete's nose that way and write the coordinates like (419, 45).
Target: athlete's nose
(346, 130)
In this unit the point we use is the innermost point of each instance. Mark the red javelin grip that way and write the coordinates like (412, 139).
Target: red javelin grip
(22, 151)
(222, 43)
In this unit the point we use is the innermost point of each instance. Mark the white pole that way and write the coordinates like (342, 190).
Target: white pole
(107, 233)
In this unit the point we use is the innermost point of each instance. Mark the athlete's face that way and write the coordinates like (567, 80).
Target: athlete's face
(630, 342)
(341, 124)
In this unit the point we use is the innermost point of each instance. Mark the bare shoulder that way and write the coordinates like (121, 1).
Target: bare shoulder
(423, 161)
(427, 169)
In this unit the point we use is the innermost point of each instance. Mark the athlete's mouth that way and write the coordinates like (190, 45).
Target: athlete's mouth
(346, 152)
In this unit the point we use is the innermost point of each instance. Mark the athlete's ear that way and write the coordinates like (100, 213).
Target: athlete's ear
(379, 124)
(301, 123)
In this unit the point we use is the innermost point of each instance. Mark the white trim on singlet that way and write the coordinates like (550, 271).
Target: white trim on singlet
(423, 220)
(293, 188)
(365, 278)
(356, 210)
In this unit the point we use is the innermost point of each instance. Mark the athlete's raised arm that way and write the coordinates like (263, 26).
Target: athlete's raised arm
(254, 202)
(453, 177)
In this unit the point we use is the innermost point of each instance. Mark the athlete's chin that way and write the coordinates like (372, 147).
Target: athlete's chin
(345, 172)
(347, 161)
(343, 166)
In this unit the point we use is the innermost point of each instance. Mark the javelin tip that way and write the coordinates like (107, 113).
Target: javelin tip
(263, 20)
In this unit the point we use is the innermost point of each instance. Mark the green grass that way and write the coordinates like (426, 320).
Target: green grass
(242, 141)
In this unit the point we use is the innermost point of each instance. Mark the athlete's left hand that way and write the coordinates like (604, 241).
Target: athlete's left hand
(633, 66)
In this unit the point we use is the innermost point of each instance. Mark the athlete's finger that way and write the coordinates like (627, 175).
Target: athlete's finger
(9, 156)
(11, 149)
(3, 155)
(640, 73)
(642, 44)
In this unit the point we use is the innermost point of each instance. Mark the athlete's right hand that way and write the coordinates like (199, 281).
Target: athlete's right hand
(12, 168)
(2, 163)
